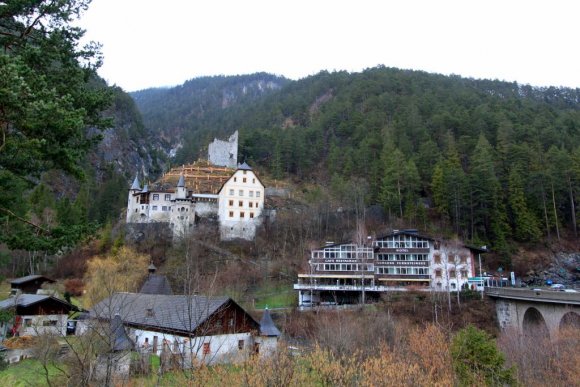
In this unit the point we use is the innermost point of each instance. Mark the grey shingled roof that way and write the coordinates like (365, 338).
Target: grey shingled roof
(267, 327)
(181, 182)
(178, 313)
(21, 280)
(25, 300)
(156, 284)
(136, 185)
(245, 166)
(121, 341)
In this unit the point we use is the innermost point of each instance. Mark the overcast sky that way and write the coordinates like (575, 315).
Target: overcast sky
(150, 43)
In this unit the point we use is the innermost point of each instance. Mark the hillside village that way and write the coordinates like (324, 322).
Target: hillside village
(379, 227)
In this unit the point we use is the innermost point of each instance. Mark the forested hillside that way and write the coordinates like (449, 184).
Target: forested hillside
(494, 162)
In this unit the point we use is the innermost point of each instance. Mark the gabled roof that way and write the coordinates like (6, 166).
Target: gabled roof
(242, 167)
(173, 313)
(29, 278)
(267, 327)
(25, 300)
(406, 232)
(136, 185)
(156, 284)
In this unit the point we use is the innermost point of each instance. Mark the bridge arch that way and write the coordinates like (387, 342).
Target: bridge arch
(534, 323)
(570, 320)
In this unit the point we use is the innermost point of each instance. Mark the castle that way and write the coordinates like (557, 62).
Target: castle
(203, 190)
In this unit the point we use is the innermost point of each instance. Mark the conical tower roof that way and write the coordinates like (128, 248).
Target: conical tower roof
(136, 185)
(267, 327)
(181, 182)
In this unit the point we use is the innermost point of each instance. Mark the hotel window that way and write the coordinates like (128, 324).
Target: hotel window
(231, 214)
(231, 203)
(241, 214)
(437, 258)
(231, 192)
(464, 273)
(155, 196)
(452, 273)
(251, 193)
(437, 273)
(167, 196)
(251, 204)
(251, 214)
(240, 203)
(241, 192)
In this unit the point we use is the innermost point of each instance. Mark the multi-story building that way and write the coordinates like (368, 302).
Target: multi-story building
(235, 196)
(398, 261)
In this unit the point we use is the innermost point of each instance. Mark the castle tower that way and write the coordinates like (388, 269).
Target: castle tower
(133, 200)
(181, 191)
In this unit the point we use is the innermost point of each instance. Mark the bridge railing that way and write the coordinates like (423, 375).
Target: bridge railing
(539, 295)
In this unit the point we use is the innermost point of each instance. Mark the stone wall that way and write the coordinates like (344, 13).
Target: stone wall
(224, 153)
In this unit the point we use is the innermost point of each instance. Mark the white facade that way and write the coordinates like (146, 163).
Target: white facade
(216, 349)
(37, 325)
(238, 205)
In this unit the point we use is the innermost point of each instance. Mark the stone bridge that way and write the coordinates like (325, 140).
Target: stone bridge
(530, 311)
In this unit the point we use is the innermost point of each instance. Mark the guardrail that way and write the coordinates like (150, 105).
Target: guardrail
(537, 295)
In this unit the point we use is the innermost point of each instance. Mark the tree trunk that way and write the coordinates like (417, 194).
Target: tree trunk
(572, 207)
(555, 213)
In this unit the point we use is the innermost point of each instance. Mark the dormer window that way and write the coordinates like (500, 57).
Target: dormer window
(149, 312)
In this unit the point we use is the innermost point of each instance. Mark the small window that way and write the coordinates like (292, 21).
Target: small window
(155, 196)
(438, 273)
(27, 322)
(258, 194)
(452, 273)
(49, 323)
(240, 344)
(254, 181)
(241, 214)
(251, 193)
(231, 203)
(154, 208)
(245, 172)
(231, 192)
(464, 273)
(206, 348)
(437, 258)
(240, 203)
(231, 214)
(235, 179)
(167, 196)
(251, 204)
(244, 180)
(241, 192)
(251, 215)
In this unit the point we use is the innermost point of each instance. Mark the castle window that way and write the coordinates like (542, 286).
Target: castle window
(155, 196)
(258, 194)
(241, 192)
(241, 214)
(231, 203)
(231, 214)
(167, 196)
(251, 194)
(231, 192)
